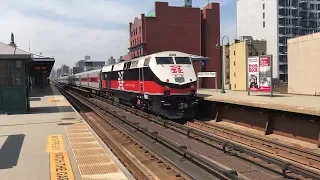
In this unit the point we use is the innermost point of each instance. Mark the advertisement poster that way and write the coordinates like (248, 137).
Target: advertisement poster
(253, 74)
(265, 74)
(259, 73)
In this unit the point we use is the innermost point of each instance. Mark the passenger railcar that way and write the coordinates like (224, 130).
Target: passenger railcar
(164, 83)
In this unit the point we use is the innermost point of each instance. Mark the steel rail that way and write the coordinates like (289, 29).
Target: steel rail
(216, 169)
(305, 157)
(226, 144)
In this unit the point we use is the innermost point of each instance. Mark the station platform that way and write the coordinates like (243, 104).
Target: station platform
(54, 142)
(284, 102)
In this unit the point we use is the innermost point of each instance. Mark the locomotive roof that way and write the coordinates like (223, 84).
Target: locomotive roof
(165, 54)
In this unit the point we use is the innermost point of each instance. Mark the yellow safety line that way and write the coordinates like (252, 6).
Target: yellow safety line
(60, 166)
(55, 143)
(51, 99)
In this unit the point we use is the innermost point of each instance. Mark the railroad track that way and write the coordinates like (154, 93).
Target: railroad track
(216, 155)
(160, 158)
(293, 154)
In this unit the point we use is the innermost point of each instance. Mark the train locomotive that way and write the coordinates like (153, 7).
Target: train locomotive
(163, 83)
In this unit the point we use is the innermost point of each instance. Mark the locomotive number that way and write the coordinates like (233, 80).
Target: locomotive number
(172, 54)
(120, 80)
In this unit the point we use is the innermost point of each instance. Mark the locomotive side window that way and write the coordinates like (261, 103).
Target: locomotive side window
(127, 65)
(134, 64)
(146, 62)
(182, 60)
(164, 60)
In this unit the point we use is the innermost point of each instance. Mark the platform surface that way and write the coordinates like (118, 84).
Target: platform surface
(53, 140)
(284, 102)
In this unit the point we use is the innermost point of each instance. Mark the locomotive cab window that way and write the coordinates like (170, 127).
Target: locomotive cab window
(183, 60)
(164, 60)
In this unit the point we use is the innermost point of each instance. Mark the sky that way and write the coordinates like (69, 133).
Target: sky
(70, 29)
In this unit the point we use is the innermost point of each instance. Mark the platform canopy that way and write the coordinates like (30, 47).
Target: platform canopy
(43, 63)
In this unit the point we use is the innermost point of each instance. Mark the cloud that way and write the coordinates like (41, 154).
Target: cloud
(71, 29)
(67, 29)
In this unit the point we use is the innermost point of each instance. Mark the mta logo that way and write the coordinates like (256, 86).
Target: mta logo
(120, 80)
(176, 69)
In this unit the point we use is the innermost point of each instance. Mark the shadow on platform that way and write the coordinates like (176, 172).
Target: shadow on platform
(23, 124)
(50, 109)
(10, 151)
(204, 95)
(65, 124)
(268, 95)
(42, 92)
(35, 99)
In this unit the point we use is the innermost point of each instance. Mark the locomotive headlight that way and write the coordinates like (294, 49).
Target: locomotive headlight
(192, 86)
(167, 87)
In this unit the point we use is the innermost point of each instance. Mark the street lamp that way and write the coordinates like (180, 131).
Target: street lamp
(218, 45)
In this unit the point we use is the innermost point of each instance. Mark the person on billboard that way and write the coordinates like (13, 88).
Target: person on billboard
(253, 81)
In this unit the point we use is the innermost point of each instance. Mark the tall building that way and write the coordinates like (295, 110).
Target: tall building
(111, 60)
(186, 29)
(59, 72)
(276, 21)
(65, 69)
(235, 61)
(91, 65)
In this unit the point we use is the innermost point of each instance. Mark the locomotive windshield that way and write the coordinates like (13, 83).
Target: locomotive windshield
(182, 60)
(164, 60)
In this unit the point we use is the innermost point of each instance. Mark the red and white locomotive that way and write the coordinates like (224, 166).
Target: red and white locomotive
(164, 83)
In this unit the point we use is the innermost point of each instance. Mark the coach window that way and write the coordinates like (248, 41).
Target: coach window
(182, 60)
(164, 60)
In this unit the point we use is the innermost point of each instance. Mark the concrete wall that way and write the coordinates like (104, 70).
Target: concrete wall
(239, 53)
(173, 28)
(210, 34)
(250, 23)
(190, 30)
(226, 66)
(304, 64)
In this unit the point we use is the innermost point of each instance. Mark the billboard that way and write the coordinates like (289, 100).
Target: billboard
(259, 73)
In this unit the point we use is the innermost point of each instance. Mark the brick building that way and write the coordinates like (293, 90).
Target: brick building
(186, 29)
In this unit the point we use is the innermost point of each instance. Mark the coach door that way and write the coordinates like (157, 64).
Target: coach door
(141, 80)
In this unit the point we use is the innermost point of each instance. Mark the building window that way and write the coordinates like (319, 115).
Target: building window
(140, 29)
(234, 62)
(263, 6)
(263, 15)
(264, 24)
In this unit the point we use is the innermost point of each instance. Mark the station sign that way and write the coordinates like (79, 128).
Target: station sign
(206, 74)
